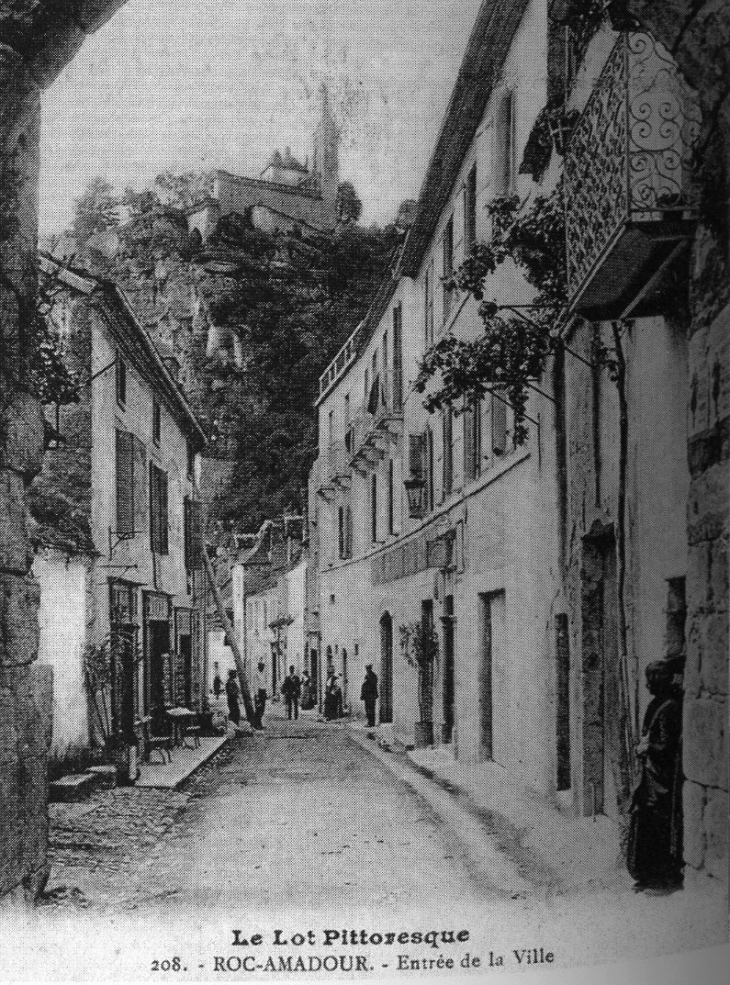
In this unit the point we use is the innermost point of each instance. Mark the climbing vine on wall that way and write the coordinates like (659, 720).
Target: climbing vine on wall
(512, 352)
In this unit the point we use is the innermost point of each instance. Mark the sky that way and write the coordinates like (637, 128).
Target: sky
(201, 84)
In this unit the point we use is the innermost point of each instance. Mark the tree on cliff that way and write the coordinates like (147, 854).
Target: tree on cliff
(96, 210)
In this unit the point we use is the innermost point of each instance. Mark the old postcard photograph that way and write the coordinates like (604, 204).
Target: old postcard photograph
(364, 490)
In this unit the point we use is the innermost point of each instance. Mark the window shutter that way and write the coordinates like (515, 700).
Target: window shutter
(154, 508)
(397, 358)
(417, 455)
(348, 530)
(448, 451)
(469, 422)
(470, 217)
(193, 534)
(499, 425)
(397, 495)
(158, 511)
(196, 535)
(140, 483)
(164, 544)
(125, 483)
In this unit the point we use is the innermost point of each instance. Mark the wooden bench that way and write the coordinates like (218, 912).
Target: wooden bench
(155, 743)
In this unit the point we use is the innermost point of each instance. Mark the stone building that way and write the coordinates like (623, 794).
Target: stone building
(268, 586)
(287, 194)
(553, 570)
(118, 521)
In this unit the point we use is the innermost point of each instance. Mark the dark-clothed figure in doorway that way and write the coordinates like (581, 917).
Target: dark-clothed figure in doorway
(232, 693)
(369, 693)
(261, 693)
(291, 690)
(217, 685)
(331, 692)
(308, 697)
(654, 856)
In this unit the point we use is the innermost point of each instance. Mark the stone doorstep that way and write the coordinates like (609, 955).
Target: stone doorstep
(104, 776)
(74, 787)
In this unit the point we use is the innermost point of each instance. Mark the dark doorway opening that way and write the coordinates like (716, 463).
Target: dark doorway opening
(447, 733)
(386, 669)
(493, 709)
(600, 673)
(186, 659)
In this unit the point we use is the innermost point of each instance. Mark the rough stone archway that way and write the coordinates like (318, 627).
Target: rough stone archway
(38, 40)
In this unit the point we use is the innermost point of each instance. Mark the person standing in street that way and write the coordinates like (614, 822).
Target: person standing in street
(260, 685)
(291, 690)
(232, 692)
(654, 855)
(369, 693)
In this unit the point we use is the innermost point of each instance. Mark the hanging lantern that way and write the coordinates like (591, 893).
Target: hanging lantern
(416, 491)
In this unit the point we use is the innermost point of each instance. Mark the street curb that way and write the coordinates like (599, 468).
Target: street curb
(193, 771)
(206, 759)
(485, 854)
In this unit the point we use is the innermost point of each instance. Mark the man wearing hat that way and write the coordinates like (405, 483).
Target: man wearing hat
(654, 855)
(369, 693)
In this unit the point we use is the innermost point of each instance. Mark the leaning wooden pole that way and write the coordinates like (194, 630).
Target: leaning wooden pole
(223, 615)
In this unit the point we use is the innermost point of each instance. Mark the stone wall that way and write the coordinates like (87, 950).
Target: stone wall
(38, 39)
(698, 34)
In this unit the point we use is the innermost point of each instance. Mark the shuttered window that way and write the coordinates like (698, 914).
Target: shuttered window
(121, 381)
(397, 358)
(504, 157)
(391, 496)
(125, 483)
(499, 425)
(158, 510)
(374, 508)
(428, 309)
(417, 455)
(472, 441)
(156, 420)
(430, 490)
(448, 451)
(193, 534)
(448, 265)
(341, 531)
(470, 211)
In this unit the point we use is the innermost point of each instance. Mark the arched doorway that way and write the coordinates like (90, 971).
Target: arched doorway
(386, 669)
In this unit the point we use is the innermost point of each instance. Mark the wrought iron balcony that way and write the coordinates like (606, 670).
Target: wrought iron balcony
(628, 180)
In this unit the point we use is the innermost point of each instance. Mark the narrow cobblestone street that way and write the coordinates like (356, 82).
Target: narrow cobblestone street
(296, 813)
(302, 827)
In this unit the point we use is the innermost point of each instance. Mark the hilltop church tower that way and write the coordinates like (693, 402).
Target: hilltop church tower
(286, 195)
(324, 158)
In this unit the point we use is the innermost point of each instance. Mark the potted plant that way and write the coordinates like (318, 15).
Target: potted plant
(117, 737)
(420, 649)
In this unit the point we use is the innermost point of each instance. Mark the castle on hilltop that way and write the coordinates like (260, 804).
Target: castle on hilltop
(287, 194)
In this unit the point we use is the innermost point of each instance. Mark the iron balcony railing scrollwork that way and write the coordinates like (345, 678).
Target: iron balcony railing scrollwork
(629, 195)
